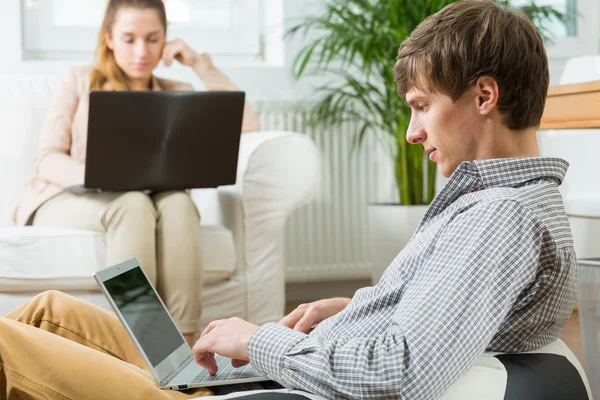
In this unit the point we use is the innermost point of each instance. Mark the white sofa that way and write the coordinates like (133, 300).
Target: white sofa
(242, 225)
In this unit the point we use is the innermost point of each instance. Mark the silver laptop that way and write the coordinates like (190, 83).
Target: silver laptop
(153, 330)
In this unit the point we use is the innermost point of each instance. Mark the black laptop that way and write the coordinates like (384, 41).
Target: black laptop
(162, 140)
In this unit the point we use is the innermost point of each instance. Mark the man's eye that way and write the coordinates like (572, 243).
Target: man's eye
(421, 107)
(129, 41)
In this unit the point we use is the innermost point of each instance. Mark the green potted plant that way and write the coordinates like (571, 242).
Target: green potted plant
(357, 42)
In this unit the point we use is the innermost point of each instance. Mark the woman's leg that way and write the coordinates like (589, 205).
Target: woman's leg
(129, 220)
(80, 352)
(75, 211)
(179, 259)
(130, 223)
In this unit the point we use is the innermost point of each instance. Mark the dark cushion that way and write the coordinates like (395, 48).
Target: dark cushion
(538, 376)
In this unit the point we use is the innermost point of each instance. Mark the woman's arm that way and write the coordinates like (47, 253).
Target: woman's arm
(214, 80)
(53, 161)
(211, 76)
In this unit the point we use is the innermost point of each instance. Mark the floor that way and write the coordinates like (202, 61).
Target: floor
(571, 334)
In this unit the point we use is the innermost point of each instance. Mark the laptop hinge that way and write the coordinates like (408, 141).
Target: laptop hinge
(177, 370)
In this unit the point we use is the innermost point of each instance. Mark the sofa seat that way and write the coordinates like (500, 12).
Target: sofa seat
(64, 259)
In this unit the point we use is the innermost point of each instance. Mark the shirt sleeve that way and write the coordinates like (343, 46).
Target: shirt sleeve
(449, 311)
(53, 161)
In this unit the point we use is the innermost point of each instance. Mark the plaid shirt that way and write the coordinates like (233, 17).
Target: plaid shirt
(491, 267)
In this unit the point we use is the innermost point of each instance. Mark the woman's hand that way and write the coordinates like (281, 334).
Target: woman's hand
(178, 50)
(307, 316)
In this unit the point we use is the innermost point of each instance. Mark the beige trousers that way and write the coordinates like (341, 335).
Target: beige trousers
(58, 347)
(162, 230)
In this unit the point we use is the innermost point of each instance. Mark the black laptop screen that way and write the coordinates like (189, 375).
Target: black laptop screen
(147, 318)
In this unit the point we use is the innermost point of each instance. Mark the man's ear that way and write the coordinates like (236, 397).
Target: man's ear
(108, 40)
(487, 93)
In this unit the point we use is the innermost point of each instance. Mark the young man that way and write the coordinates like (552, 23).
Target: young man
(492, 265)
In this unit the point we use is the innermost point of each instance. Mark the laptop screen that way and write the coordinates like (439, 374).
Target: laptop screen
(146, 316)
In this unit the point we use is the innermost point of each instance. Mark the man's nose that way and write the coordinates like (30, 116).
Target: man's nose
(415, 134)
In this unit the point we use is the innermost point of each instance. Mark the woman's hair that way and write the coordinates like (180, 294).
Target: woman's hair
(107, 69)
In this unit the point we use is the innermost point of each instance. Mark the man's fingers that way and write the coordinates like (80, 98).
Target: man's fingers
(305, 324)
(203, 354)
(311, 318)
(292, 318)
(210, 327)
(207, 360)
(238, 363)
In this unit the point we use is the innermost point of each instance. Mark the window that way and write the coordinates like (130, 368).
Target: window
(558, 29)
(579, 35)
(61, 29)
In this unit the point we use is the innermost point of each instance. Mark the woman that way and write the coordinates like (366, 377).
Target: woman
(162, 229)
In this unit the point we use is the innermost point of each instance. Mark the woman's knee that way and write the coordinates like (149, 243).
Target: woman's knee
(176, 205)
(132, 204)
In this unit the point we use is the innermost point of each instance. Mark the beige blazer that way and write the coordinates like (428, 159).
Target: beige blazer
(60, 160)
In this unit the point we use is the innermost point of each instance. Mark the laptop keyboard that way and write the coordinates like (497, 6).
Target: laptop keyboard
(227, 372)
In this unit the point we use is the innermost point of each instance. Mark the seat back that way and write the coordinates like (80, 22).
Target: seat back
(24, 100)
(499, 376)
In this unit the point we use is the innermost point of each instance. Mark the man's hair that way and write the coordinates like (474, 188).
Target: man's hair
(469, 39)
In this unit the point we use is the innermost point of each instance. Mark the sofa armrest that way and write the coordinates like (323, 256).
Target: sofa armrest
(277, 173)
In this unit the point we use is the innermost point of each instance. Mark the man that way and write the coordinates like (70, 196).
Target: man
(492, 265)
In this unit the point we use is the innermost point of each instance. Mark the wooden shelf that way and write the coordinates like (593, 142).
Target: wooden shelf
(573, 106)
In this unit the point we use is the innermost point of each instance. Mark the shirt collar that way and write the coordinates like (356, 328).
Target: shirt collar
(472, 176)
(513, 172)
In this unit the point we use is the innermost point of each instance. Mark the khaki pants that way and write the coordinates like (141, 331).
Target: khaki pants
(58, 347)
(162, 230)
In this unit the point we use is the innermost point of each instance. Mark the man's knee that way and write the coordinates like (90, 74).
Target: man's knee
(51, 296)
(42, 306)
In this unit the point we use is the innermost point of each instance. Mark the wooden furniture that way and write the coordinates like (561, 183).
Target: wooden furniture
(572, 106)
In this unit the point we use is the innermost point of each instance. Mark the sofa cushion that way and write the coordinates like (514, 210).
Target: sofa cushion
(33, 259)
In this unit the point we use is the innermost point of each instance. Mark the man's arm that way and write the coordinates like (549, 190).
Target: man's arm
(448, 314)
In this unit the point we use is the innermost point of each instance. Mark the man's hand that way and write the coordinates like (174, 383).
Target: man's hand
(227, 337)
(307, 316)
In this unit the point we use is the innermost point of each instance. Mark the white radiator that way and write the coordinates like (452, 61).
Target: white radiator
(327, 239)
